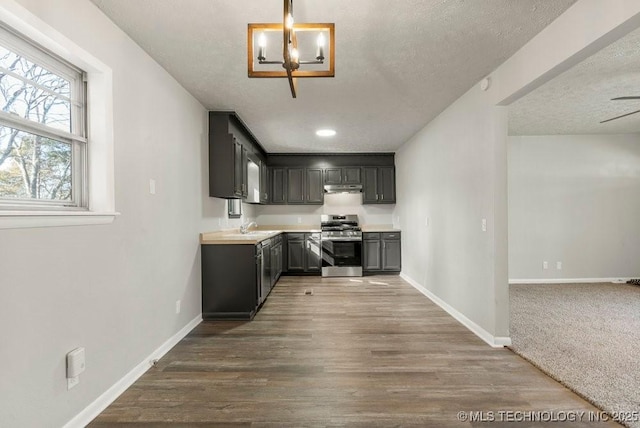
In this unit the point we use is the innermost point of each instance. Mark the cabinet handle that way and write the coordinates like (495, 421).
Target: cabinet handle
(384, 244)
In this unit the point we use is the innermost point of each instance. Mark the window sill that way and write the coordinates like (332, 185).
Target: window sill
(29, 219)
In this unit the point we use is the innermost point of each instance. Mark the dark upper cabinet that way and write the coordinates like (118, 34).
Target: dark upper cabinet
(278, 185)
(345, 175)
(314, 190)
(239, 169)
(379, 185)
(264, 183)
(352, 175)
(295, 186)
(230, 143)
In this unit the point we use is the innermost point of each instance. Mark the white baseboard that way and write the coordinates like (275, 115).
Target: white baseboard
(83, 418)
(494, 341)
(567, 280)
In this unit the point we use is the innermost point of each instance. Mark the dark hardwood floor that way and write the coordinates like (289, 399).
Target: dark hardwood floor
(362, 352)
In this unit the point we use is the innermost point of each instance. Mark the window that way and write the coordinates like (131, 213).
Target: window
(43, 144)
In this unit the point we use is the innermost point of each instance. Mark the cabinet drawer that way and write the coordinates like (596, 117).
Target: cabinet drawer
(391, 235)
(371, 235)
(295, 236)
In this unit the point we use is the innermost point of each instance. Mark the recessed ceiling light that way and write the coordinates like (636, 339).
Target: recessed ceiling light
(325, 132)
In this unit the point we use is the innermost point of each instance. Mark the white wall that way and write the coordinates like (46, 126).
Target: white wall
(574, 199)
(452, 173)
(112, 288)
(333, 204)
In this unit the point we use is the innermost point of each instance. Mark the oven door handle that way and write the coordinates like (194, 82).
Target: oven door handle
(342, 239)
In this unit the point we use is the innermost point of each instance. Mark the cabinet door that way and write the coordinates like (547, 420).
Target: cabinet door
(391, 255)
(278, 186)
(333, 176)
(295, 185)
(370, 185)
(371, 255)
(238, 181)
(314, 188)
(313, 253)
(351, 175)
(387, 185)
(295, 255)
(264, 183)
(245, 171)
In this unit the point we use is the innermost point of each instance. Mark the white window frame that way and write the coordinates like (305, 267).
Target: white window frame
(76, 138)
(98, 206)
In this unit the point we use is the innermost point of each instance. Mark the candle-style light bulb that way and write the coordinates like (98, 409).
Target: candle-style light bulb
(320, 50)
(262, 47)
(289, 21)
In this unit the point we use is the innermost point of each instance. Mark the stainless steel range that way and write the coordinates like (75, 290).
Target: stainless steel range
(341, 245)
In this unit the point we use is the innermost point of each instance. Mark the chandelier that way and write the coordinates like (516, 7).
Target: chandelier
(298, 40)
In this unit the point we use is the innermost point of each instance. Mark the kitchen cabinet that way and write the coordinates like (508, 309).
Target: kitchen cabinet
(296, 186)
(314, 189)
(381, 252)
(230, 145)
(264, 183)
(313, 253)
(345, 175)
(231, 280)
(278, 185)
(303, 253)
(276, 259)
(379, 185)
(240, 163)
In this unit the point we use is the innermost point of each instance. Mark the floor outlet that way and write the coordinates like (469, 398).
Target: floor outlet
(308, 292)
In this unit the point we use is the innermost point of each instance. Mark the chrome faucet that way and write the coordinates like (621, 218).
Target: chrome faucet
(244, 228)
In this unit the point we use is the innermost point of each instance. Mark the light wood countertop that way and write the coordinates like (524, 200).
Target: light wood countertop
(256, 235)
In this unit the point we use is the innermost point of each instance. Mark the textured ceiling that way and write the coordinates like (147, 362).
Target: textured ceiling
(399, 63)
(579, 99)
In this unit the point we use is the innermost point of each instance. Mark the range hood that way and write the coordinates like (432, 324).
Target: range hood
(343, 188)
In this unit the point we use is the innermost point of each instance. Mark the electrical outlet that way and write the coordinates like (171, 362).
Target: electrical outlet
(545, 265)
(152, 186)
(426, 222)
(72, 381)
(559, 265)
(484, 224)
(178, 306)
(299, 220)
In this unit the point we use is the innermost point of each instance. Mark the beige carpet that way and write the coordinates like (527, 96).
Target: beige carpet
(586, 336)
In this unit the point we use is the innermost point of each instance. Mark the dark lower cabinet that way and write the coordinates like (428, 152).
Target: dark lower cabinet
(303, 253)
(371, 254)
(236, 279)
(381, 252)
(230, 281)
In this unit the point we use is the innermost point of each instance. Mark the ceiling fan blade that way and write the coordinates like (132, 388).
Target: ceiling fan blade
(625, 98)
(618, 117)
